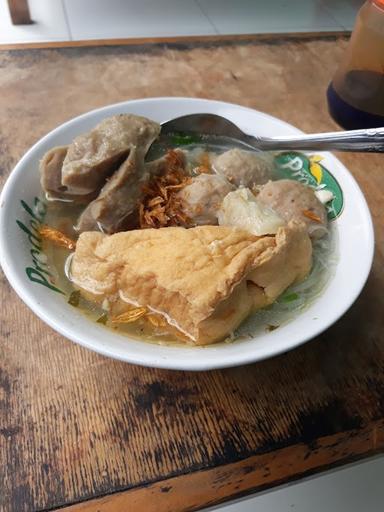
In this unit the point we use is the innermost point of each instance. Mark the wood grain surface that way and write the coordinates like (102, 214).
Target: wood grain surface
(204, 488)
(76, 426)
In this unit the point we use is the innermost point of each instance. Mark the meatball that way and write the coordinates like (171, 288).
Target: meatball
(202, 198)
(243, 168)
(295, 201)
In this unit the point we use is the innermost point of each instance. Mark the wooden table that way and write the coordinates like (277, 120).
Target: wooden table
(83, 432)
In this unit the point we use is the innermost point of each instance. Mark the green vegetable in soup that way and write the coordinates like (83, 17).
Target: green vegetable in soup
(183, 139)
(289, 297)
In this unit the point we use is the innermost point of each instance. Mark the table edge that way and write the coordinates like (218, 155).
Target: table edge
(207, 487)
(294, 36)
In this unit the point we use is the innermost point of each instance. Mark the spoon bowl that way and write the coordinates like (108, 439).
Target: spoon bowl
(207, 124)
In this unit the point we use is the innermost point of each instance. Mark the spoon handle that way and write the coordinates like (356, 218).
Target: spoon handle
(371, 140)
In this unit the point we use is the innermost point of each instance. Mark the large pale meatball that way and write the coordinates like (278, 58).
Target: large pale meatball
(295, 201)
(243, 168)
(202, 198)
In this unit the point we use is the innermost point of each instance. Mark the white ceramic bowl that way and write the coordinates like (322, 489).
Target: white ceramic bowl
(20, 250)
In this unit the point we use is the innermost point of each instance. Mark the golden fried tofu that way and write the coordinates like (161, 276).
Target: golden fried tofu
(205, 280)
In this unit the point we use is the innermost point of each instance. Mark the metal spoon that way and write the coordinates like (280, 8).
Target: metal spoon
(371, 140)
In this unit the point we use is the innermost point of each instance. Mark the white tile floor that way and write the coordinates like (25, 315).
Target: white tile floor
(64, 20)
(250, 16)
(135, 18)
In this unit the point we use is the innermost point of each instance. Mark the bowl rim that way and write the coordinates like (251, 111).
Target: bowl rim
(247, 356)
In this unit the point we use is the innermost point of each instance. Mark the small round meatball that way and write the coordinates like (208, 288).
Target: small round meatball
(295, 201)
(243, 168)
(202, 198)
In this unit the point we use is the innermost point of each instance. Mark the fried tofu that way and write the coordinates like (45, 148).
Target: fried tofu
(204, 281)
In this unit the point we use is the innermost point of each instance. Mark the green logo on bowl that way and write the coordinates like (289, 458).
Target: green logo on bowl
(38, 272)
(310, 171)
